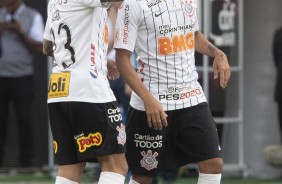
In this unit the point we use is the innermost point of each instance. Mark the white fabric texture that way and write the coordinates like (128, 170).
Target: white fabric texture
(80, 52)
(111, 178)
(61, 180)
(209, 178)
(162, 33)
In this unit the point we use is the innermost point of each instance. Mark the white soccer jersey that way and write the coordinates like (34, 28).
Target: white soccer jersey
(80, 49)
(162, 33)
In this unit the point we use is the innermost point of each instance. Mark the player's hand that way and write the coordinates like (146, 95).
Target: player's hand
(221, 68)
(156, 116)
(113, 73)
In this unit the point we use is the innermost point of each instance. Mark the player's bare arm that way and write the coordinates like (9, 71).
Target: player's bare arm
(156, 116)
(48, 48)
(113, 73)
(220, 64)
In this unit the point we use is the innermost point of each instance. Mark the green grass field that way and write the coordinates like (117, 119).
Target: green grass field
(41, 178)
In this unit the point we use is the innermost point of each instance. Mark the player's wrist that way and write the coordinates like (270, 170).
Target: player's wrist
(219, 53)
(145, 95)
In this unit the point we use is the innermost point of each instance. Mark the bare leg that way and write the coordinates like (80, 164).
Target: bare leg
(113, 169)
(71, 172)
(210, 171)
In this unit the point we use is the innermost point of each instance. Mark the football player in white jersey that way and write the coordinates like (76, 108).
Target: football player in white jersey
(85, 119)
(169, 123)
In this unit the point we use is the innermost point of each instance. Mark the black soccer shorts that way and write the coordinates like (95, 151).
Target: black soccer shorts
(190, 137)
(81, 131)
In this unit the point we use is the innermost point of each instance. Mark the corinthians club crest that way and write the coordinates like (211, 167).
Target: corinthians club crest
(121, 134)
(149, 160)
(190, 7)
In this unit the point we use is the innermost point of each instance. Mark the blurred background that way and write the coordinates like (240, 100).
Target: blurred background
(246, 113)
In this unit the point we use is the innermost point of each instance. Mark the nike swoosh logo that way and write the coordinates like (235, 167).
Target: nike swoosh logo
(158, 14)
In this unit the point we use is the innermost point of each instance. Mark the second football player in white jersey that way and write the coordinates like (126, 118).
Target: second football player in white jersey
(84, 116)
(169, 123)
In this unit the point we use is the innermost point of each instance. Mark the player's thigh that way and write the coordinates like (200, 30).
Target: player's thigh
(97, 129)
(197, 139)
(211, 166)
(144, 144)
(113, 163)
(72, 172)
(83, 131)
(62, 132)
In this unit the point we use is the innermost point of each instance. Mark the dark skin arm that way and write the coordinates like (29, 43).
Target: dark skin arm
(48, 48)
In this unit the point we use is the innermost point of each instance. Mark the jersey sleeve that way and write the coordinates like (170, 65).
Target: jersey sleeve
(47, 32)
(94, 3)
(126, 27)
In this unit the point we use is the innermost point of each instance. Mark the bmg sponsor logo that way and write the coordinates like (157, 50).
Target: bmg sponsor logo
(148, 141)
(178, 43)
(114, 115)
(89, 141)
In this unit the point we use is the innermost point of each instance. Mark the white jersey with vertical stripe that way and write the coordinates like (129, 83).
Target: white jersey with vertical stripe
(78, 29)
(162, 33)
